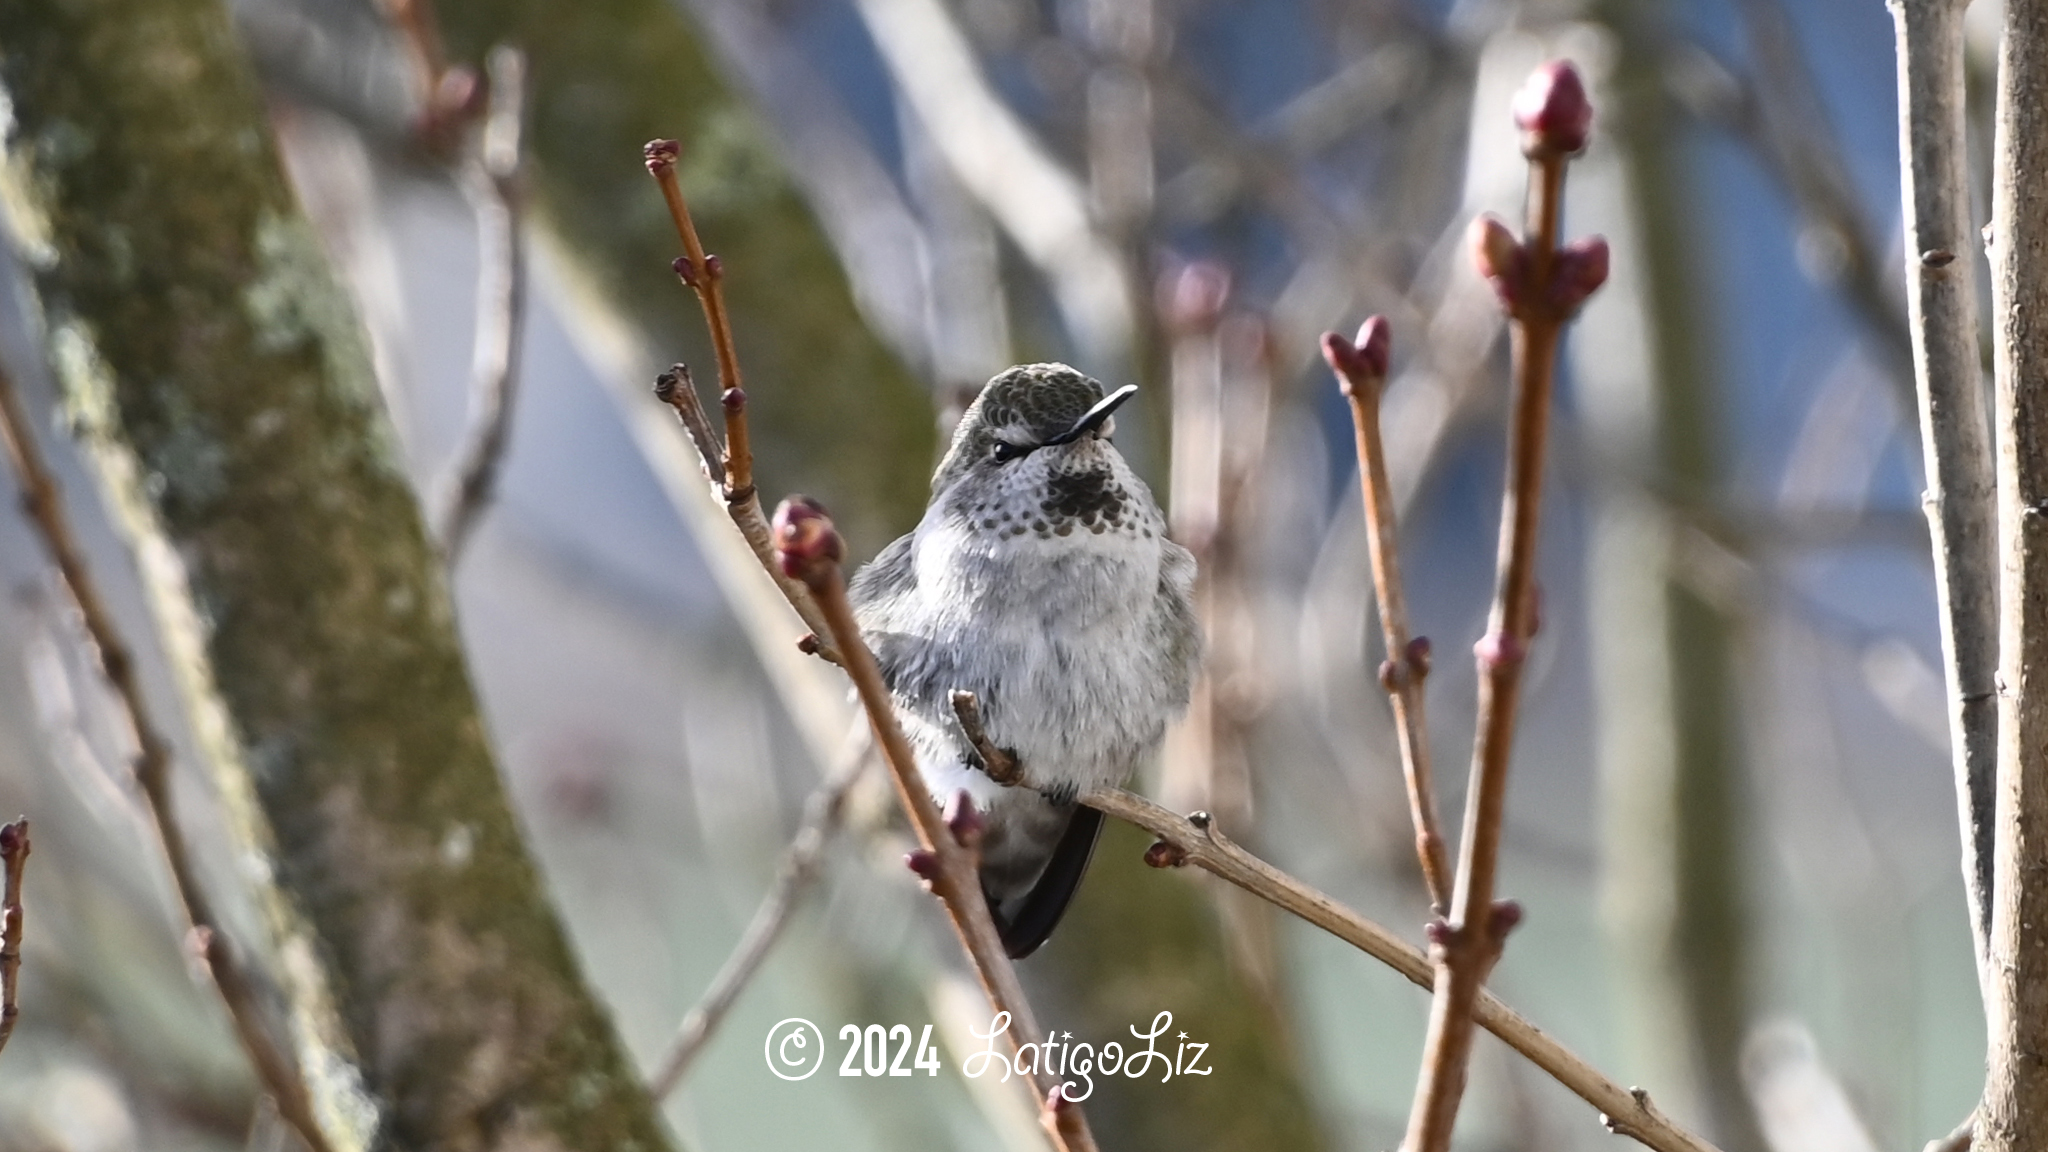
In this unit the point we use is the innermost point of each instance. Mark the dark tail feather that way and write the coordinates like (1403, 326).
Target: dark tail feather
(1047, 901)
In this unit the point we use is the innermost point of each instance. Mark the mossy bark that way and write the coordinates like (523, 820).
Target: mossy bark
(834, 413)
(221, 381)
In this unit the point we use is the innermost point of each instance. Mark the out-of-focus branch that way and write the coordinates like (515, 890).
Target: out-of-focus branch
(1960, 498)
(799, 868)
(1362, 368)
(808, 548)
(1036, 201)
(491, 180)
(2014, 1117)
(13, 861)
(1541, 285)
(1196, 839)
(274, 1066)
(675, 389)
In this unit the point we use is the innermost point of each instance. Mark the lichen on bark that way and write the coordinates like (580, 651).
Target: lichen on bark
(218, 375)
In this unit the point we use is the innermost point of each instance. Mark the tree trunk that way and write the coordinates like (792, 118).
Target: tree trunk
(240, 440)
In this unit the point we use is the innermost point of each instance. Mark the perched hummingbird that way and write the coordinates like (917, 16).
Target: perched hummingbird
(1042, 581)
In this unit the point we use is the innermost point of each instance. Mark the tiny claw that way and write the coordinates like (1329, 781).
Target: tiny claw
(734, 400)
(923, 862)
(1498, 256)
(1418, 656)
(1506, 914)
(1499, 649)
(1164, 855)
(660, 154)
(964, 820)
(1553, 112)
(806, 543)
(1579, 271)
(685, 270)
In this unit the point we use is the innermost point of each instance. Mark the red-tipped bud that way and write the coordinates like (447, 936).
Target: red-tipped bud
(1552, 111)
(1418, 655)
(1191, 298)
(1498, 650)
(1375, 344)
(1364, 361)
(685, 270)
(660, 154)
(1506, 914)
(713, 266)
(13, 837)
(806, 543)
(733, 400)
(1164, 855)
(1497, 255)
(924, 862)
(1579, 271)
(1438, 933)
(964, 820)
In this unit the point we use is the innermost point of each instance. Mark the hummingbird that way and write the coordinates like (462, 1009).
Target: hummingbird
(1041, 580)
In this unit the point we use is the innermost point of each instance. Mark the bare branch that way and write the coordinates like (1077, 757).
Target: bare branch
(1197, 840)
(14, 860)
(1362, 368)
(1542, 285)
(799, 868)
(274, 1066)
(809, 548)
(490, 177)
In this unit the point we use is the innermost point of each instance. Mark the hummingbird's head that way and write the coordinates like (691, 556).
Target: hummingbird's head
(1032, 453)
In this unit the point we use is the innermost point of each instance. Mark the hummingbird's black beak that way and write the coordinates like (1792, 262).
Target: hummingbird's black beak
(1095, 416)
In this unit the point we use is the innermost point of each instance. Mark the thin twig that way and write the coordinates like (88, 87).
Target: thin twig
(490, 179)
(809, 548)
(675, 389)
(274, 1066)
(1362, 369)
(799, 868)
(2014, 1115)
(1541, 286)
(1197, 840)
(1941, 294)
(14, 859)
(705, 275)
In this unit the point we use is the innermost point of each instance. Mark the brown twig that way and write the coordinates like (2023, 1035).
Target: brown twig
(1362, 370)
(13, 859)
(274, 1066)
(705, 274)
(491, 181)
(1541, 286)
(1197, 840)
(809, 548)
(799, 867)
(675, 389)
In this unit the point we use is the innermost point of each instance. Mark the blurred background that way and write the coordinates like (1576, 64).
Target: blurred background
(1731, 822)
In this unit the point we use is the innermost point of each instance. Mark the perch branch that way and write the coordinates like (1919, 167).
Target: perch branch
(274, 1067)
(1197, 840)
(13, 859)
(675, 389)
(490, 179)
(799, 867)
(809, 548)
(1941, 297)
(1362, 368)
(1541, 286)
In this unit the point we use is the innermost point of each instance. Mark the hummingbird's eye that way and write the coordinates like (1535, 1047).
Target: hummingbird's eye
(1006, 451)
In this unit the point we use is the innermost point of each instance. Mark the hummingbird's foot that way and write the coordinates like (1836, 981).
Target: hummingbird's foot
(1061, 795)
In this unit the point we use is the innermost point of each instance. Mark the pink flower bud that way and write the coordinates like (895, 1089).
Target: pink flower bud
(1506, 914)
(1496, 253)
(1364, 361)
(1552, 111)
(1580, 270)
(1375, 344)
(924, 863)
(805, 540)
(1192, 298)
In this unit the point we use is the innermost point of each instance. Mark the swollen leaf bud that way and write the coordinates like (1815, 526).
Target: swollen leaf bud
(806, 543)
(1496, 254)
(1552, 111)
(1580, 270)
(964, 820)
